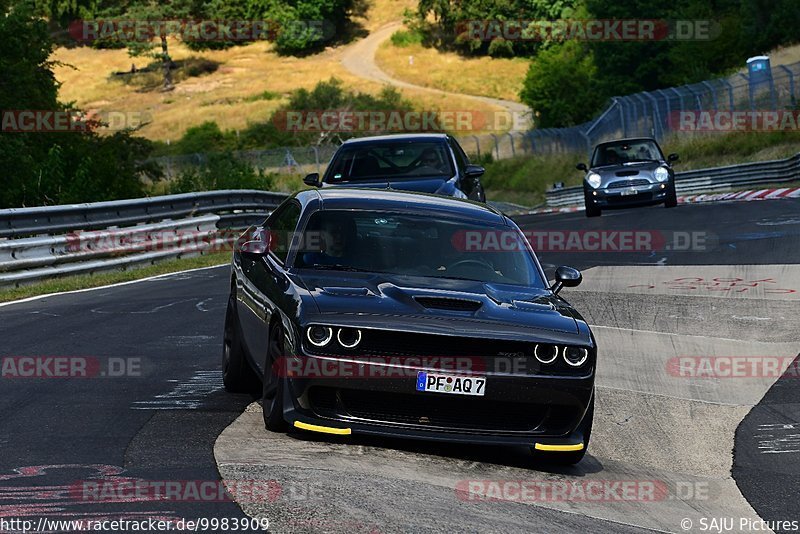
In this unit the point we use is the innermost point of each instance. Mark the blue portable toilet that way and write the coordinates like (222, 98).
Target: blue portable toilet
(760, 77)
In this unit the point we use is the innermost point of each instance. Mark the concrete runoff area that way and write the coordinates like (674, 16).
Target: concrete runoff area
(655, 422)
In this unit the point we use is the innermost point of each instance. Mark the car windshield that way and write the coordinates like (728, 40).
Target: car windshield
(416, 245)
(626, 152)
(391, 160)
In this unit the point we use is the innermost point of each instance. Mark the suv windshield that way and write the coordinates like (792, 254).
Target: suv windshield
(390, 161)
(626, 152)
(416, 245)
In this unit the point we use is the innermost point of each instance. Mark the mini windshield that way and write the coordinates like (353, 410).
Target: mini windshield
(391, 160)
(626, 152)
(416, 245)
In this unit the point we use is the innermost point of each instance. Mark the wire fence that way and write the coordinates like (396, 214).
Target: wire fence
(656, 114)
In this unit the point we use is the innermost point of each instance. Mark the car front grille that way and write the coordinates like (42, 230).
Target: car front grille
(448, 353)
(619, 184)
(439, 411)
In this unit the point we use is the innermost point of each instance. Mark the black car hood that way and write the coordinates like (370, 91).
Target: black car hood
(391, 301)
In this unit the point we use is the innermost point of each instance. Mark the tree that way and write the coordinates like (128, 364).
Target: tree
(561, 85)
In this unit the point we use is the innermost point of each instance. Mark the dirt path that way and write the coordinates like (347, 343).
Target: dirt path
(359, 59)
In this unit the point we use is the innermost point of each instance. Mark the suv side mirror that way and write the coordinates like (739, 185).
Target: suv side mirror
(312, 180)
(582, 167)
(673, 158)
(566, 277)
(474, 171)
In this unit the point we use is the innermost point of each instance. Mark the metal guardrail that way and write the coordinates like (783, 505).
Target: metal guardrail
(49, 220)
(34, 245)
(707, 180)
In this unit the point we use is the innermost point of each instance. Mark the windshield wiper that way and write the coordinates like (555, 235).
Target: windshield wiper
(338, 267)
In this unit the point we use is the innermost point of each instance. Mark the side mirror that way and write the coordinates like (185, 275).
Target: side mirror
(258, 245)
(474, 171)
(312, 180)
(566, 277)
(582, 167)
(673, 158)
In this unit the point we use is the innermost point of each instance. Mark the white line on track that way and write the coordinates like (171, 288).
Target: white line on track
(119, 284)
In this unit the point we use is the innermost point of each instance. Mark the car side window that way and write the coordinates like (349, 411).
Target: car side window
(282, 227)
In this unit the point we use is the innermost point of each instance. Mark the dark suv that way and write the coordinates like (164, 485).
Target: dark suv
(628, 172)
(425, 163)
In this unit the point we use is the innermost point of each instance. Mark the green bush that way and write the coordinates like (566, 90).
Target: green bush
(221, 171)
(404, 38)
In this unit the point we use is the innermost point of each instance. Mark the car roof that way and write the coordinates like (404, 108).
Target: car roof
(333, 198)
(627, 140)
(397, 137)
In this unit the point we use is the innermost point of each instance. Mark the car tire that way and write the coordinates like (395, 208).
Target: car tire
(672, 197)
(591, 209)
(274, 384)
(573, 457)
(237, 374)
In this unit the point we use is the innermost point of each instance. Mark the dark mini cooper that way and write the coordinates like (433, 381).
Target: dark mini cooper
(402, 314)
(628, 172)
(425, 163)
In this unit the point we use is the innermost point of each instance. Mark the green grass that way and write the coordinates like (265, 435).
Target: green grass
(524, 180)
(85, 281)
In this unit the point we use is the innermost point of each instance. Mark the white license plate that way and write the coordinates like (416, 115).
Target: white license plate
(629, 192)
(455, 385)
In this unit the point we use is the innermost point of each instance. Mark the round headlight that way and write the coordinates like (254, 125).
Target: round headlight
(662, 174)
(593, 179)
(546, 353)
(319, 336)
(575, 356)
(349, 338)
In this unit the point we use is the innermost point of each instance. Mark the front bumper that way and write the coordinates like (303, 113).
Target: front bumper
(546, 411)
(628, 196)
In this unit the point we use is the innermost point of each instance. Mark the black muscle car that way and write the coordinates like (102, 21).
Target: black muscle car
(403, 314)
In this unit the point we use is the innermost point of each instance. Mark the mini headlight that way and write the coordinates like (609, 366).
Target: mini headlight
(319, 336)
(593, 179)
(546, 353)
(662, 174)
(349, 338)
(575, 356)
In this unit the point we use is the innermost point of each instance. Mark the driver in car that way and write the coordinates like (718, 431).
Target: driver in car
(430, 158)
(332, 241)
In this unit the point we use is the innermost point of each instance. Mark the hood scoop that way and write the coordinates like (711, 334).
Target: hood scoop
(526, 305)
(447, 303)
(346, 291)
(626, 173)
